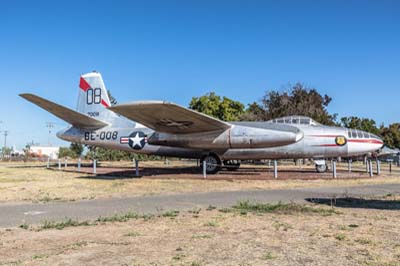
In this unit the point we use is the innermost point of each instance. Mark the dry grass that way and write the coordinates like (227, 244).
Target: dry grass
(347, 237)
(38, 184)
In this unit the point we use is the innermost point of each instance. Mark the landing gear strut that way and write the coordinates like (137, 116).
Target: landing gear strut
(213, 163)
(232, 165)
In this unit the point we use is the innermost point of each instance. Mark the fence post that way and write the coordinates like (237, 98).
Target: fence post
(65, 163)
(378, 167)
(204, 169)
(349, 164)
(59, 164)
(371, 173)
(390, 167)
(275, 169)
(334, 168)
(48, 163)
(94, 166)
(137, 167)
(79, 164)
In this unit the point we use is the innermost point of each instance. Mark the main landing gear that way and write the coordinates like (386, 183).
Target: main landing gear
(213, 163)
(232, 165)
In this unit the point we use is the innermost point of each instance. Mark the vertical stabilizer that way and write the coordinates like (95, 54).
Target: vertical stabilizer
(93, 98)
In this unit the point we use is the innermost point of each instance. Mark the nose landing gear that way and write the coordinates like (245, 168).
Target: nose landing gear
(320, 166)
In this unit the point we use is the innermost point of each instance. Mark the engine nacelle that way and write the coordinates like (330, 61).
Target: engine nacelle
(237, 137)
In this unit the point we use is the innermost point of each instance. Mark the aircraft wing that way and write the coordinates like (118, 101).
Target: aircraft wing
(74, 118)
(168, 117)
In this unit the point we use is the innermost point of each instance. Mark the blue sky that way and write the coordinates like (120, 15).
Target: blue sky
(173, 50)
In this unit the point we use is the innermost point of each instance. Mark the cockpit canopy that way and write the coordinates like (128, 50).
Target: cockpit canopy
(295, 120)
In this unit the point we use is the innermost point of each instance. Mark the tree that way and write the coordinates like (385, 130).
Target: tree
(77, 149)
(365, 124)
(391, 135)
(65, 152)
(211, 104)
(299, 100)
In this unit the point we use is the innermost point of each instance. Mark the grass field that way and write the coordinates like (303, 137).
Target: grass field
(249, 234)
(361, 232)
(19, 182)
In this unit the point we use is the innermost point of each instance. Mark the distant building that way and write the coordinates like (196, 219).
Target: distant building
(43, 151)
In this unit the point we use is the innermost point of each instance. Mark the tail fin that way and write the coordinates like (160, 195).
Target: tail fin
(93, 98)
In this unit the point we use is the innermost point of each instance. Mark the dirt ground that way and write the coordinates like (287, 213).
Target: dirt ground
(32, 182)
(358, 231)
(365, 234)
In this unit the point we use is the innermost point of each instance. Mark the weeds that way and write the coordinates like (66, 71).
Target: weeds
(39, 256)
(340, 237)
(132, 234)
(119, 217)
(268, 256)
(68, 222)
(201, 236)
(170, 214)
(284, 208)
(211, 224)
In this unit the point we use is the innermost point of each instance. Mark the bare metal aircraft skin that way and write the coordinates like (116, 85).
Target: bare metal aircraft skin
(166, 129)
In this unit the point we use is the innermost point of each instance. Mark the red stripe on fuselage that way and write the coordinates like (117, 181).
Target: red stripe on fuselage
(326, 145)
(370, 141)
(83, 84)
(324, 136)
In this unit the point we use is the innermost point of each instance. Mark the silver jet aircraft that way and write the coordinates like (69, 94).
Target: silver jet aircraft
(166, 129)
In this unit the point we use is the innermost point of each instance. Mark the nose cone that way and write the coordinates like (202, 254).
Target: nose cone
(360, 143)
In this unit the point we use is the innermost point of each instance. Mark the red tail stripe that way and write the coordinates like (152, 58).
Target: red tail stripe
(104, 103)
(83, 84)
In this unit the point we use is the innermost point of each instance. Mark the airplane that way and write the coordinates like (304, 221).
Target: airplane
(167, 129)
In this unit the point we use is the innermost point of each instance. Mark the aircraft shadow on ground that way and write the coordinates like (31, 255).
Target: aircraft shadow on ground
(352, 202)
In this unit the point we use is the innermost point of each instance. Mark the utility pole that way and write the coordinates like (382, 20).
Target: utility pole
(5, 142)
(49, 125)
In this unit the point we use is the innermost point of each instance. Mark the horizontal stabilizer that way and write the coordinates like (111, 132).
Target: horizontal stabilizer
(169, 118)
(74, 118)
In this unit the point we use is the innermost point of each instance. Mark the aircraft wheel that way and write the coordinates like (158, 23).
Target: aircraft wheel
(232, 165)
(213, 163)
(321, 168)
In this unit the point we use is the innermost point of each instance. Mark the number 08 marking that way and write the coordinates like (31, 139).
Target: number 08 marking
(93, 96)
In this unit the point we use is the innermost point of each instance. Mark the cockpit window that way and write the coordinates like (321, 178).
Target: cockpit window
(360, 134)
(353, 134)
(304, 121)
(295, 120)
(366, 135)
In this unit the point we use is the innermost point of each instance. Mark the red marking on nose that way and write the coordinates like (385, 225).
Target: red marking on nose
(83, 84)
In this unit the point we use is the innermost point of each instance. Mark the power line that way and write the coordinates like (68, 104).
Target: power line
(49, 125)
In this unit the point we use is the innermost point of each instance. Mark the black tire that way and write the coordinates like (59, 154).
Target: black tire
(213, 163)
(321, 168)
